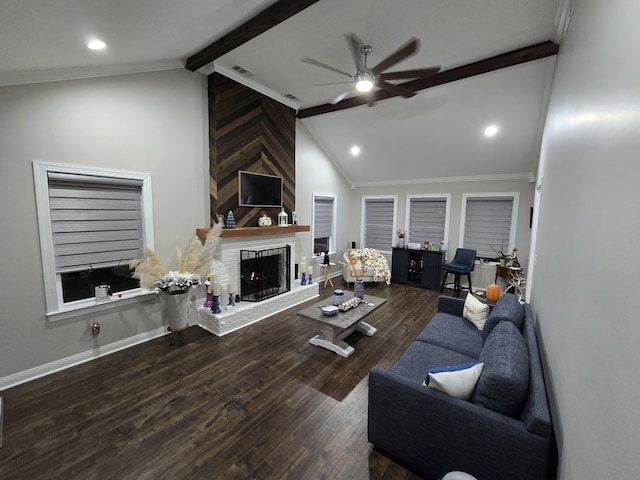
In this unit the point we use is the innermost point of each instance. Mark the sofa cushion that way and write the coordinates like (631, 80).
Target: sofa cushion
(455, 380)
(453, 333)
(475, 311)
(504, 382)
(507, 308)
(419, 357)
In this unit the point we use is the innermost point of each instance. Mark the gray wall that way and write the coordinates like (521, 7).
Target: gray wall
(586, 266)
(153, 122)
(456, 190)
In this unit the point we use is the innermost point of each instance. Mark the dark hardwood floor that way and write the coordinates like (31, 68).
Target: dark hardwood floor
(258, 403)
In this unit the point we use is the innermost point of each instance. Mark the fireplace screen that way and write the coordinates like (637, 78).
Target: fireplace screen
(264, 273)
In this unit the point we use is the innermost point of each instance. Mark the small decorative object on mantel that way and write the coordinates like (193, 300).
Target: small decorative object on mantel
(231, 220)
(175, 284)
(294, 217)
(283, 218)
(264, 221)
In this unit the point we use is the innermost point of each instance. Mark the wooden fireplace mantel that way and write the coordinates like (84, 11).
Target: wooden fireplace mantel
(254, 231)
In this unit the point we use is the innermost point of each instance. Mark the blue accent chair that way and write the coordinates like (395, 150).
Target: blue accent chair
(462, 264)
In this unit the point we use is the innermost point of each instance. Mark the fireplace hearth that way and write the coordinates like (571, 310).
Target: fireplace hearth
(264, 273)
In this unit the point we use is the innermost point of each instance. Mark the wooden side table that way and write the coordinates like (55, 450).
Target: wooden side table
(506, 272)
(326, 269)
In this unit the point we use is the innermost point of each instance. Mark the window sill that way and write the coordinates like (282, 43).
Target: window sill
(88, 307)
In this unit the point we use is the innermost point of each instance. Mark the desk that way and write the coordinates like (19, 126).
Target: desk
(326, 270)
(507, 273)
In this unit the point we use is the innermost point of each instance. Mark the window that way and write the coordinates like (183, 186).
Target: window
(378, 222)
(428, 218)
(488, 223)
(92, 223)
(324, 221)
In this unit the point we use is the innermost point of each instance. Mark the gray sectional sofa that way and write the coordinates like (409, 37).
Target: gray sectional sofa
(502, 432)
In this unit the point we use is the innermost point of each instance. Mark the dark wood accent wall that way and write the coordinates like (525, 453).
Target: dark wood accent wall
(248, 131)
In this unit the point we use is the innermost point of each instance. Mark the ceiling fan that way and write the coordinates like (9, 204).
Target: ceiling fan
(366, 78)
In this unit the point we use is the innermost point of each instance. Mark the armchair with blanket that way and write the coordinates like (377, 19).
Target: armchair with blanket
(366, 264)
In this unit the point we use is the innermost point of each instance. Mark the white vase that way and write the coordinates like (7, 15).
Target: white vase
(178, 310)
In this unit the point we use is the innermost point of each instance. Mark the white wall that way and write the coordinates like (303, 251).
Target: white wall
(587, 249)
(316, 173)
(152, 122)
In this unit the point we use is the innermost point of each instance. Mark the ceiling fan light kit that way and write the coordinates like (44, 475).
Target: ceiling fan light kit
(365, 78)
(364, 81)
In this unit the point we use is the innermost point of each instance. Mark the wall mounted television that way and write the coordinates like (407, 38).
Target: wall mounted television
(259, 190)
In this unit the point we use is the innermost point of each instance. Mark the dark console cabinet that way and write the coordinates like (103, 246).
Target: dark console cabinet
(421, 268)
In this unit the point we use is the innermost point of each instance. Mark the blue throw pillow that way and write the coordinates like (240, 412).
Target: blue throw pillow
(507, 308)
(455, 380)
(504, 383)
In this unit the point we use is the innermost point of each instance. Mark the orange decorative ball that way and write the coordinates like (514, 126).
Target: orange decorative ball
(493, 292)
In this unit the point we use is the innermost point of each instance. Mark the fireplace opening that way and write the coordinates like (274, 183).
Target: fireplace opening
(264, 273)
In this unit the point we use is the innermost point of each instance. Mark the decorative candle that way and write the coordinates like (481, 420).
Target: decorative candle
(216, 289)
(231, 288)
(310, 271)
(303, 266)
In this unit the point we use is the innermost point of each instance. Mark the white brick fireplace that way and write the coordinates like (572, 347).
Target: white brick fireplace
(246, 313)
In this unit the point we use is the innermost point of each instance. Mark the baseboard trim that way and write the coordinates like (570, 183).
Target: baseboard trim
(68, 362)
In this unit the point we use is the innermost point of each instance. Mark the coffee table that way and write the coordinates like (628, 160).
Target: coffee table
(335, 329)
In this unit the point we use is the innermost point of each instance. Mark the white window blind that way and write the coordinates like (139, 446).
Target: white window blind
(378, 223)
(427, 219)
(95, 221)
(488, 225)
(323, 217)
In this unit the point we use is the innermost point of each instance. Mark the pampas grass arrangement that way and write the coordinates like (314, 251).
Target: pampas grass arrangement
(152, 274)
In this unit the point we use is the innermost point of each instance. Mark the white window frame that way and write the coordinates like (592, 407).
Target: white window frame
(363, 216)
(436, 196)
(515, 196)
(56, 308)
(332, 239)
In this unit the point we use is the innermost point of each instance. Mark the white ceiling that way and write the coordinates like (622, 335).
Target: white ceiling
(435, 135)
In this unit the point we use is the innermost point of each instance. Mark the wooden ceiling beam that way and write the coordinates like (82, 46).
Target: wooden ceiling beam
(509, 59)
(268, 18)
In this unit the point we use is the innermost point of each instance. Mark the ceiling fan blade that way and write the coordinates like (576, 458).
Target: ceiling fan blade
(396, 89)
(417, 73)
(340, 97)
(324, 65)
(408, 49)
(355, 44)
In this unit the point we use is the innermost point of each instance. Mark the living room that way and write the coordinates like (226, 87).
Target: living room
(587, 171)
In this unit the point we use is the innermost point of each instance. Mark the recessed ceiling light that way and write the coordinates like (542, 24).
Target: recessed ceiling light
(355, 150)
(96, 45)
(491, 131)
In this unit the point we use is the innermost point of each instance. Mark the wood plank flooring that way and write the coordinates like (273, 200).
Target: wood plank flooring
(259, 403)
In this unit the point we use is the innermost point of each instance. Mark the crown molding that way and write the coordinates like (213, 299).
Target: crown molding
(468, 178)
(78, 73)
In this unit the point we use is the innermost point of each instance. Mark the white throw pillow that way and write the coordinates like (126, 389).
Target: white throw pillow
(456, 380)
(475, 311)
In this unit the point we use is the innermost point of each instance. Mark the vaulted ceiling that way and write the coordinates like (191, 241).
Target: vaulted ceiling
(436, 134)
